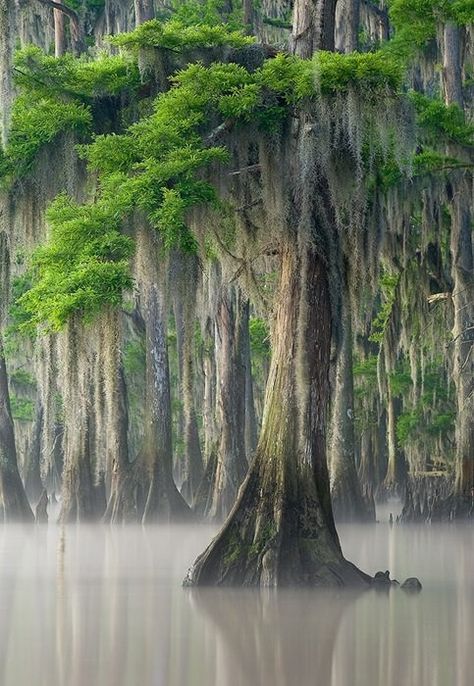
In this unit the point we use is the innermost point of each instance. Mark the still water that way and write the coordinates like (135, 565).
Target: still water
(105, 607)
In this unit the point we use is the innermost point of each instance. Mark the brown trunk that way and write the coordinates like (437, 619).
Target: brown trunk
(121, 506)
(6, 71)
(15, 503)
(59, 31)
(144, 11)
(231, 322)
(346, 494)
(79, 497)
(313, 26)
(251, 429)
(347, 25)
(164, 502)
(33, 486)
(281, 529)
(463, 342)
(452, 73)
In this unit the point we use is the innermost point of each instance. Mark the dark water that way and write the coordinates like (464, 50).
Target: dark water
(101, 606)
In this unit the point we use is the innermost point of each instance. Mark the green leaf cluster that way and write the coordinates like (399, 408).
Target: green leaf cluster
(83, 268)
(437, 119)
(84, 78)
(36, 123)
(178, 36)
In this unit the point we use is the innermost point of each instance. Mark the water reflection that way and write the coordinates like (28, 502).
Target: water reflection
(87, 607)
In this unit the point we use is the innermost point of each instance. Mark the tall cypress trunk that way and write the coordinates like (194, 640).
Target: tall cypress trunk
(32, 473)
(346, 494)
(186, 272)
(281, 529)
(462, 273)
(463, 342)
(79, 496)
(452, 74)
(251, 429)
(121, 506)
(59, 31)
(313, 26)
(144, 11)
(163, 502)
(231, 323)
(6, 66)
(15, 503)
(347, 25)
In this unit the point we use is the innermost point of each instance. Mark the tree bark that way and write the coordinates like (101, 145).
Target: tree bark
(452, 73)
(32, 473)
(281, 529)
(347, 25)
(76, 28)
(163, 502)
(15, 503)
(313, 26)
(144, 11)
(79, 497)
(346, 494)
(251, 429)
(59, 31)
(6, 67)
(231, 323)
(463, 342)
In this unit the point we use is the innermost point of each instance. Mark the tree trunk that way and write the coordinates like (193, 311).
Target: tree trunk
(313, 26)
(121, 506)
(463, 343)
(281, 529)
(164, 502)
(251, 429)
(15, 503)
(32, 473)
(346, 494)
(452, 73)
(231, 326)
(79, 496)
(144, 11)
(59, 31)
(6, 67)
(347, 25)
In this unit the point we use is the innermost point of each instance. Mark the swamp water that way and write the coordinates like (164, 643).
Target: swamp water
(104, 607)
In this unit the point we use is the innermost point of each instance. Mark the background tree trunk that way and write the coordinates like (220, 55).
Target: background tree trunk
(15, 503)
(314, 24)
(231, 328)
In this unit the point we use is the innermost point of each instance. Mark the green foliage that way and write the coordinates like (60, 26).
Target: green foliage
(388, 285)
(156, 166)
(259, 337)
(437, 119)
(83, 268)
(177, 36)
(80, 78)
(35, 123)
(23, 409)
(329, 72)
(416, 21)
(432, 415)
(22, 378)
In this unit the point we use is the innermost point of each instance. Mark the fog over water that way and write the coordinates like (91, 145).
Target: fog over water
(104, 606)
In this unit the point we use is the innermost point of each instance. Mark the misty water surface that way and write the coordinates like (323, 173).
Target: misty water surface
(104, 606)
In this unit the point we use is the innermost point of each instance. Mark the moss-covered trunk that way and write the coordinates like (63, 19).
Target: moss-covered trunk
(231, 327)
(163, 502)
(281, 530)
(15, 503)
(346, 494)
(463, 344)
